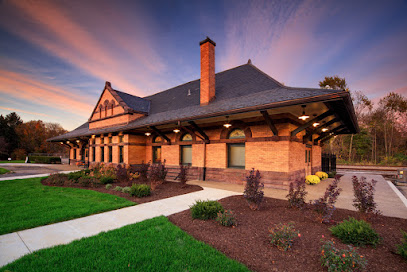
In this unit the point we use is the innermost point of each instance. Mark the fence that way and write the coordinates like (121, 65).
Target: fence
(328, 162)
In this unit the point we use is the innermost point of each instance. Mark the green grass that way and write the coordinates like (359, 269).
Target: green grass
(3, 171)
(22, 161)
(26, 203)
(151, 245)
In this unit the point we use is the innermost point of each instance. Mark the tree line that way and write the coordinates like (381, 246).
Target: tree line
(18, 138)
(383, 129)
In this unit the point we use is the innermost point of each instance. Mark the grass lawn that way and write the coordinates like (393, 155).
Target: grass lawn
(26, 203)
(151, 245)
(22, 161)
(3, 171)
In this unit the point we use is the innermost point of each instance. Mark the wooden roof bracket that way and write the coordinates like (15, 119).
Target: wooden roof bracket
(269, 122)
(309, 123)
(200, 131)
(314, 131)
(159, 132)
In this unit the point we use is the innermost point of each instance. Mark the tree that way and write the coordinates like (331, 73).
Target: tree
(334, 82)
(8, 125)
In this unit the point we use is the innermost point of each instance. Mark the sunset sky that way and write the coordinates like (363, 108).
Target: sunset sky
(56, 55)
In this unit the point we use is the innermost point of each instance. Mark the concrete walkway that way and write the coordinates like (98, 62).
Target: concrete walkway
(28, 169)
(389, 199)
(14, 245)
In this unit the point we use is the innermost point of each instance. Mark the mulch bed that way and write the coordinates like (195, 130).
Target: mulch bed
(165, 190)
(249, 242)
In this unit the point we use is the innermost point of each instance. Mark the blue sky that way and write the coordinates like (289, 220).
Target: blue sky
(56, 55)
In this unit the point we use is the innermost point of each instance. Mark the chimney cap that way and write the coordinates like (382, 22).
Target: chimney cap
(249, 61)
(207, 40)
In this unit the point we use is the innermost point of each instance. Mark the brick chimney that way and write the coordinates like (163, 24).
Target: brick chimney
(207, 89)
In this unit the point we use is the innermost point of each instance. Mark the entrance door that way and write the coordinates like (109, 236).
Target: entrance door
(156, 154)
(308, 163)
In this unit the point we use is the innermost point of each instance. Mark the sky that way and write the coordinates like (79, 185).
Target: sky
(56, 55)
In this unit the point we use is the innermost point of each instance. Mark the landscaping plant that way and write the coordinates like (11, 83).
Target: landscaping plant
(312, 179)
(332, 174)
(106, 179)
(109, 186)
(118, 189)
(206, 209)
(226, 218)
(126, 190)
(142, 169)
(253, 191)
(157, 174)
(356, 232)
(57, 179)
(364, 195)
(140, 190)
(282, 236)
(121, 173)
(183, 174)
(325, 206)
(337, 260)
(296, 194)
(321, 175)
(402, 248)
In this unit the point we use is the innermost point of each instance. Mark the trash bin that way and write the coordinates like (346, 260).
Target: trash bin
(402, 175)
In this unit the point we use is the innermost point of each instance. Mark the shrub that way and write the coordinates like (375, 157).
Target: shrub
(325, 206)
(142, 169)
(44, 159)
(57, 179)
(296, 194)
(183, 174)
(140, 190)
(19, 154)
(253, 191)
(85, 181)
(364, 195)
(74, 176)
(106, 179)
(126, 190)
(226, 218)
(118, 189)
(312, 179)
(157, 174)
(206, 209)
(109, 186)
(356, 232)
(121, 173)
(321, 175)
(341, 259)
(402, 248)
(332, 174)
(282, 236)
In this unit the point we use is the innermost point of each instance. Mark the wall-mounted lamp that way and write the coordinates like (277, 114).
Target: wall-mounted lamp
(77, 141)
(147, 134)
(227, 124)
(315, 124)
(324, 130)
(67, 142)
(303, 116)
(176, 130)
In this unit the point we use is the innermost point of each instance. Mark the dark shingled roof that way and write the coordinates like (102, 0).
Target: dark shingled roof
(236, 90)
(136, 103)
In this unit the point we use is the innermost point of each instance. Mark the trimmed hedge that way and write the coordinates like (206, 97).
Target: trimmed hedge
(44, 159)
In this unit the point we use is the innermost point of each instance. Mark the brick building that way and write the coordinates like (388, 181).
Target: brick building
(222, 124)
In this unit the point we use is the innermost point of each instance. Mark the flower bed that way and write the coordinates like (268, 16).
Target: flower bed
(249, 242)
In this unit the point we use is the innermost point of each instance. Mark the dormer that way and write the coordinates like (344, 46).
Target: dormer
(115, 108)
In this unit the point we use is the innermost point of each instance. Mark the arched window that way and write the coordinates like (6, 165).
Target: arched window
(237, 134)
(158, 139)
(236, 151)
(106, 105)
(186, 137)
(100, 111)
(112, 106)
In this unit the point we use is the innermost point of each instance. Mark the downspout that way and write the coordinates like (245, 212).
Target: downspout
(204, 162)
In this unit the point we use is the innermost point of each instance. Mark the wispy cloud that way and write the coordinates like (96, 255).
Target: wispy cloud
(96, 37)
(24, 111)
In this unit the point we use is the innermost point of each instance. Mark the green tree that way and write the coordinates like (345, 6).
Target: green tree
(8, 125)
(334, 82)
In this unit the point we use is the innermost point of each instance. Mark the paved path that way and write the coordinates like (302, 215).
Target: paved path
(14, 245)
(25, 169)
(390, 201)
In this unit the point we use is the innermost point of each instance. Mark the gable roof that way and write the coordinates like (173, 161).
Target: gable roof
(239, 89)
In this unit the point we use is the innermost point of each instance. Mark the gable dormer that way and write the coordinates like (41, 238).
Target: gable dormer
(116, 108)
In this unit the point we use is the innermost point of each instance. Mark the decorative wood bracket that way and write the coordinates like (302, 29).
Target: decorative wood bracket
(314, 131)
(200, 131)
(323, 135)
(326, 138)
(159, 132)
(309, 123)
(269, 122)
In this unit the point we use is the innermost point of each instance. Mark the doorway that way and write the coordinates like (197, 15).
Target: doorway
(308, 161)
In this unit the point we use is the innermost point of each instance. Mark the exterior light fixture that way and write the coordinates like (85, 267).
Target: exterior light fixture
(77, 141)
(93, 136)
(227, 124)
(147, 134)
(67, 142)
(176, 130)
(324, 130)
(62, 143)
(303, 116)
(315, 124)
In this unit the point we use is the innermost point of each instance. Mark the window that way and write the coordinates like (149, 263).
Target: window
(306, 156)
(236, 152)
(236, 155)
(102, 140)
(102, 154)
(120, 138)
(186, 154)
(110, 154)
(110, 139)
(186, 137)
(93, 154)
(157, 139)
(309, 155)
(74, 153)
(156, 154)
(120, 154)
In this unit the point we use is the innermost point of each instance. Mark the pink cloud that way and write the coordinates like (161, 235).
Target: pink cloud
(24, 111)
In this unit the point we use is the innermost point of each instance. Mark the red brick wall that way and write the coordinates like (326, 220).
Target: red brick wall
(207, 89)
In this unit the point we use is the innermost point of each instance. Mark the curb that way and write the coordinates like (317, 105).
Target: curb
(398, 193)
